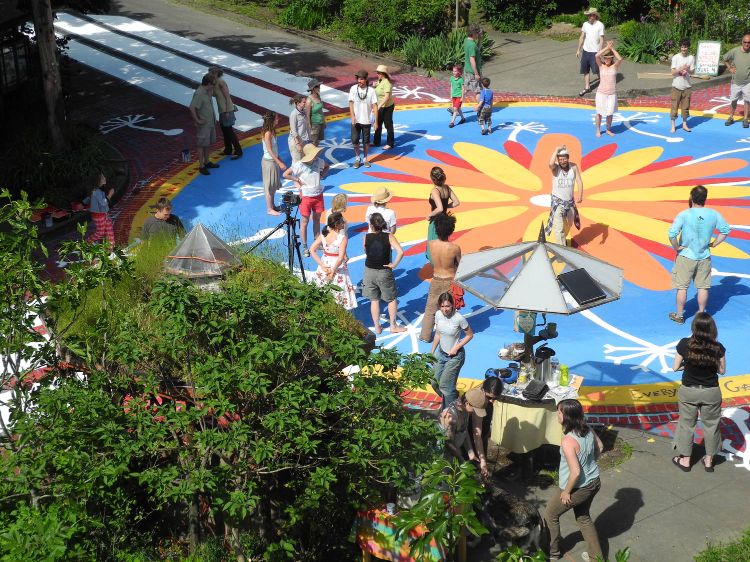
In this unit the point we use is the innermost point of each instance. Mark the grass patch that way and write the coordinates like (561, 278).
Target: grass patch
(266, 13)
(732, 551)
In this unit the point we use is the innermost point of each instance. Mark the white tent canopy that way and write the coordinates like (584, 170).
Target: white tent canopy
(539, 276)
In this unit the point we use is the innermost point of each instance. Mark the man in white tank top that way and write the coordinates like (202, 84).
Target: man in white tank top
(563, 211)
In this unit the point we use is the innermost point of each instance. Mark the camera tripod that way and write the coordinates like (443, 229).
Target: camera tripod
(292, 240)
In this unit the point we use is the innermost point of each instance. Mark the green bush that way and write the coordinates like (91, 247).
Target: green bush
(440, 53)
(30, 164)
(371, 28)
(576, 20)
(387, 27)
(517, 15)
(644, 42)
(309, 14)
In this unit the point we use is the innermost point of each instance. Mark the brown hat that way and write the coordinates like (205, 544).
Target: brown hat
(310, 152)
(477, 400)
(361, 74)
(382, 195)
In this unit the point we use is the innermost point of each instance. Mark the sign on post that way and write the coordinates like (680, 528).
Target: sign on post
(707, 58)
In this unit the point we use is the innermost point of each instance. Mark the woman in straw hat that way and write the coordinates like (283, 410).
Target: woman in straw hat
(314, 111)
(332, 268)
(306, 175)
(379, 201)
(386, 105)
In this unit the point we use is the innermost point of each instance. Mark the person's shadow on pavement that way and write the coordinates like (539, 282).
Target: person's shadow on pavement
(618, 517)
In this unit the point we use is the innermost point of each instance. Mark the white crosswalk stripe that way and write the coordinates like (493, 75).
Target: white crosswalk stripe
(211, 55)
(73, 26)
(149, 81)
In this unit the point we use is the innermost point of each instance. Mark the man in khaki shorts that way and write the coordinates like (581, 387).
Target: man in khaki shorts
(690, 236)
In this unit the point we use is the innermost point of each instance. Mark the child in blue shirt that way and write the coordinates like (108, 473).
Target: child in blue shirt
(484, 109)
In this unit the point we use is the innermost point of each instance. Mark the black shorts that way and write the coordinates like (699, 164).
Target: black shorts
(360, 130)
(588, 63)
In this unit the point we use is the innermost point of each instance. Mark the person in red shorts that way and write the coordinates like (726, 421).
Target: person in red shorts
(306, 175)
(457, 95)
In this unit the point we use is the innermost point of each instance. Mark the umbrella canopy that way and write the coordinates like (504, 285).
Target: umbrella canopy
(539, 276)
(201, 254)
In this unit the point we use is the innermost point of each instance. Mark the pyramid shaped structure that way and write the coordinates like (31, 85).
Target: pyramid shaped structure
(532, 276)
(200, 254)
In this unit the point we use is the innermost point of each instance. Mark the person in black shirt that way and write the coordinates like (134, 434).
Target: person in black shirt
(703, 359)
(379, 283)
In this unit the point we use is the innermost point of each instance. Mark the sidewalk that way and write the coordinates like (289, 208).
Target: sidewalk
(531, 64)
(661, 513)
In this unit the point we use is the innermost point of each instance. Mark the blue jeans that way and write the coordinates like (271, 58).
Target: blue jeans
(446, 374)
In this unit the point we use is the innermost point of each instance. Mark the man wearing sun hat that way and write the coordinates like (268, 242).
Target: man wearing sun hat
(379, 201)
(306, 174)
(457, 424)
(363, 106)
(590, 42)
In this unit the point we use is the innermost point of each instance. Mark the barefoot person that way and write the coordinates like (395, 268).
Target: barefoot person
(445, 259)
(563, 211)
(271, 164)
(379, 283)
(608, 60)
(332, 267)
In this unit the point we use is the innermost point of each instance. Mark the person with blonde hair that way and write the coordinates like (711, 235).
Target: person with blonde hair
(338, 205)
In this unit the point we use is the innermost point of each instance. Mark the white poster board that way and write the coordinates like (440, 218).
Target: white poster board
(707, 58)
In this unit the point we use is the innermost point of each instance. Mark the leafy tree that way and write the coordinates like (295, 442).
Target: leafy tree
(203, 414)
(449, 491)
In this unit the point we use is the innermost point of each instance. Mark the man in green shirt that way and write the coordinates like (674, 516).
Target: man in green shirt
(738, 63)
(473, 60)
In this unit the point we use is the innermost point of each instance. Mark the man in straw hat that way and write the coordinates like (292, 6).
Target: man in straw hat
(363, 105)
(379, 201)
(590, 42)
(306, 175)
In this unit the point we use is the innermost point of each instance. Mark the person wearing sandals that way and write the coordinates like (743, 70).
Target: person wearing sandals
(579, 479)
(271, 164)
(363, 105)
(590, 42)
(314, 110)
(702, 359)
(690, 236)
(386, 106)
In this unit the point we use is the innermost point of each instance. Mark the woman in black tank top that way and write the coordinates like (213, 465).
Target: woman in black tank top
(442, 198)
(379, 283)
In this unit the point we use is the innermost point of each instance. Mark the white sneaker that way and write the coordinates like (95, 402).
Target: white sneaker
(585, 556)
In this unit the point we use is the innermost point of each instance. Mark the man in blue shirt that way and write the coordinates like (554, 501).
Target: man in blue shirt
(690, 235)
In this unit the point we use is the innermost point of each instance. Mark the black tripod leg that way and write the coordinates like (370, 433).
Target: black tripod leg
(293, 232)
(267, 236)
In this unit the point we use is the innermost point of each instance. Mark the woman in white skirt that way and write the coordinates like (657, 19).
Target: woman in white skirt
(332, 268)
(608, 60)
(271, 165)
